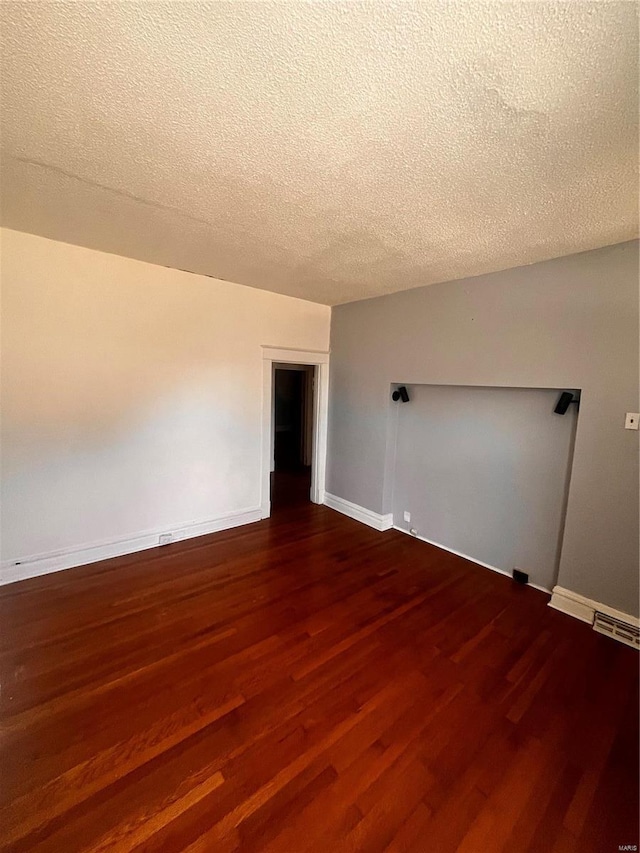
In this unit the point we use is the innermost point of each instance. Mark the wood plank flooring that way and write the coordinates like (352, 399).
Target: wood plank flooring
(308, 684)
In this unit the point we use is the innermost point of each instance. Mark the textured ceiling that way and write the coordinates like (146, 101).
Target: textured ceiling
(332, 151)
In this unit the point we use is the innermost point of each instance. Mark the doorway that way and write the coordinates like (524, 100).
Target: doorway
(292, 434)
(313, 457)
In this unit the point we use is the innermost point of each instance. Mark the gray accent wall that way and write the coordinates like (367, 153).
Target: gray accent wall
(566, 323)
(484, 472)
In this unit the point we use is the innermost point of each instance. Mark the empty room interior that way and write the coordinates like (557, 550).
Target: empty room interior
(320, 394)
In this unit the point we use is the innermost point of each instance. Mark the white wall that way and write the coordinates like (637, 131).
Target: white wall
(131, 395)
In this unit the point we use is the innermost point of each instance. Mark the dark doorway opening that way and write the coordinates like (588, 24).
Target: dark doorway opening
(292, 435)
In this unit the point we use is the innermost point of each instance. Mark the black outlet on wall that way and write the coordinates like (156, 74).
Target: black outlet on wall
(520, 577)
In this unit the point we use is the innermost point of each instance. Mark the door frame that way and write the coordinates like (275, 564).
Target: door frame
(320, 360)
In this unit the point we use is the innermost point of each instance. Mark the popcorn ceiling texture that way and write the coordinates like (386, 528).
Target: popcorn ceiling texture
(331, 151)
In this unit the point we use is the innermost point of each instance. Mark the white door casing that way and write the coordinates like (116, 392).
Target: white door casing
(320, 359)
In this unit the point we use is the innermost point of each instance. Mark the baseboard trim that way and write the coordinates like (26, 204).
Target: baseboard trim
(584, 609)
(468, 557)
(359, 513)
(33, 566)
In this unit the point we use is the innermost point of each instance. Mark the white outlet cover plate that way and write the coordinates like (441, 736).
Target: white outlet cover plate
(407, 515)
(631, 420)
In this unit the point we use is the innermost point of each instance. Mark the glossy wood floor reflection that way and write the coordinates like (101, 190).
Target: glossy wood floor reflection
(309, 684)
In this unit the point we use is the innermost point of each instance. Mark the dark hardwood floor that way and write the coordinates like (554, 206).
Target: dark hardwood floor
(289, 487)
(309, 684)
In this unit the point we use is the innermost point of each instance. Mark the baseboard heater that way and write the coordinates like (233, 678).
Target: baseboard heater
(617, 629)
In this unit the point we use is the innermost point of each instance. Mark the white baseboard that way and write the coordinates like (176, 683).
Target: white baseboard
(584, 608)
(359, 513)
(467, 557)
(55, 561)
